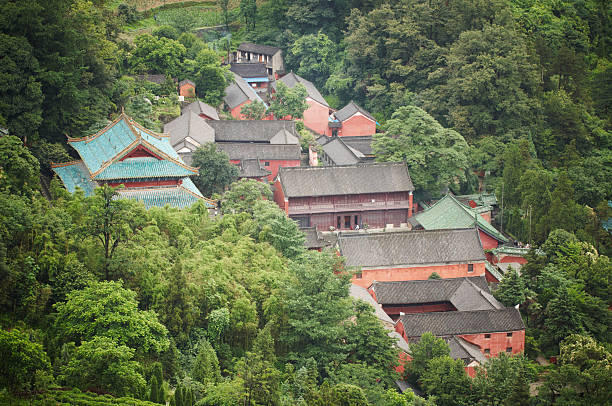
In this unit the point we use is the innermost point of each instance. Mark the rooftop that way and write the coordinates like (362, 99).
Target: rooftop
(291, 79)
(190, 125)
(345, 179)
(265, 131)
(449, 212)
(199, 107)
(420, 247)
(465, 294)
(470, 322)
(362, 143)
(339, 153)
(246, 150)
(239, 92)
(350, 110)
(251, 168)
(249, 70)
(260, 49)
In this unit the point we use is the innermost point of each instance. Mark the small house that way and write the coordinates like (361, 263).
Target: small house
(187, 88)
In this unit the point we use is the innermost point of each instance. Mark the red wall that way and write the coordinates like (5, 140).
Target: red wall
(488, 242)
(279, 197)
(416, 273)
(357, 125)
(187, 90)
(236, 111)
(511, 258)
(498, 342)
(316, 116)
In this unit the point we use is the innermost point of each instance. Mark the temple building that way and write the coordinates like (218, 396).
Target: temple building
(144, 162)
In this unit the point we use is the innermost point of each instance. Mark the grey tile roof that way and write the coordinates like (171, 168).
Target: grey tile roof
(260, 49)
(349, 110)
(341, 154)
(239, 92)
(247, 150)
(464, 350)
(464, 293)
(312, 240)
(345, 180)
(251, 168)
(291, 79)
(362, 143)
(411, 248)
(253, 130)
(471, 322)
(359, 293)
(249, 70)
(199, 107)
(186, 81)
(190, 125)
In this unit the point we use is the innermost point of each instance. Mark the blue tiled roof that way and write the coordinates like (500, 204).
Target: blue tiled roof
(179, 197)
(146, 167)
(75, 175)
(110, 142)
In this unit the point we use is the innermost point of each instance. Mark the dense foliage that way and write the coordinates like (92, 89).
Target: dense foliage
(164, 305)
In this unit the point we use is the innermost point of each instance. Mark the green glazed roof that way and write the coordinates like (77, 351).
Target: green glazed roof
(448, 212)
(74, 175)
(146, 167)
(181, 197)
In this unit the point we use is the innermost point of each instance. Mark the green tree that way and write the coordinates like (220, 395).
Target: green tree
(446, 379)
(103, 364)
(248, 10)
(582, 375)
(216, 172)
(224, 6)
(287, 102)
(320, 304)
(206, 365)
(436, 157)
(22, 360)
(503, 378)
(156, 55)
(313, 57)
(19, 170)
(243, 195)
(21, 96)
(279, 230)
(253, 111)
(166, 31)
(345, 394)
(427, 348)
(511, 290)
(111, 221)
(107, 309)
(210, 77)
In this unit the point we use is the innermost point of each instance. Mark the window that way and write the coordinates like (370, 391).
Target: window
(266, 163)
(487, 351)
(358, 275)
(508, 334)
(508, 349)
(470, 268)
(487, 336)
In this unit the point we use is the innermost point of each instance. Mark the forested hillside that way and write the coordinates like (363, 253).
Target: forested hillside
(103, 302)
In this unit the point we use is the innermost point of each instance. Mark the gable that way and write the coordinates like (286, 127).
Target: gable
(140, 152)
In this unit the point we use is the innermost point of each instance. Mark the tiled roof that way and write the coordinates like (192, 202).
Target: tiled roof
(464, 293)
(73, 175)
(180, 197)
(116, 140)
(199, 107)
(448, 212)
(411, 248)
(245, 150)
(351, 109)
(239, 92)
(251, 168)
(186, 82)
(341, 154)
(464, 350)
(253, 130)
(250, 70)
(471, 322)
(259, 49)
(362, 143)
(190, 124)
(481, 199)
(345, 180)
(291, 79)
(318, 239)
(145, 167)
(359, 293)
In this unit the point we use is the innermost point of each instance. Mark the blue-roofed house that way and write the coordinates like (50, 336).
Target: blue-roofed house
(125, 153)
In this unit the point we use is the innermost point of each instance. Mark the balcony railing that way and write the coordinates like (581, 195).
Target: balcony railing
(343, 207)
